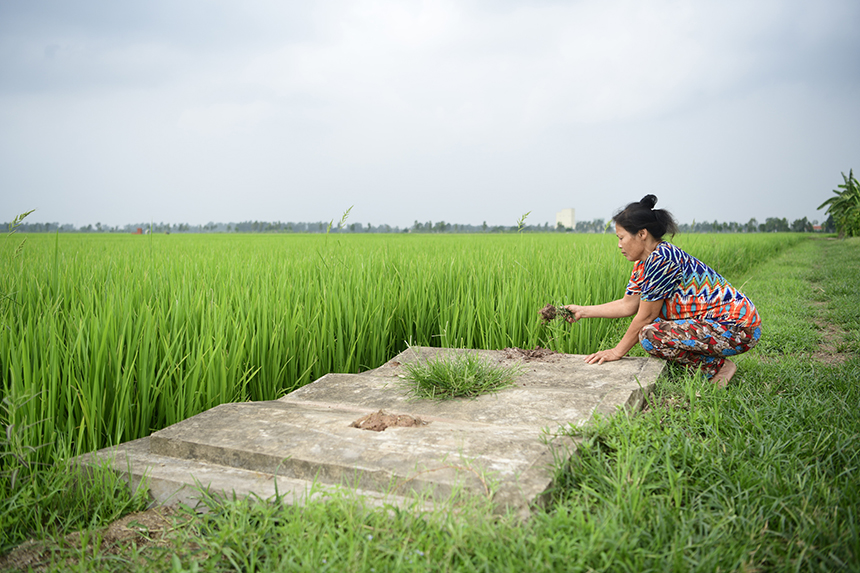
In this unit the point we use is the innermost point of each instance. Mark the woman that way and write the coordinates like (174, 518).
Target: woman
(684, 310)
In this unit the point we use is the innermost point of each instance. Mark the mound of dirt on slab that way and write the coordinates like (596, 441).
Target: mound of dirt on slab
(539, 354)
(378, 421)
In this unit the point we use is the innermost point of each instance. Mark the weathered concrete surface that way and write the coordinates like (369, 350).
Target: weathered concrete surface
(171, 481)
(499, 444)
(557, 391)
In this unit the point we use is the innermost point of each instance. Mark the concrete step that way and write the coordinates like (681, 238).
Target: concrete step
(174, 481)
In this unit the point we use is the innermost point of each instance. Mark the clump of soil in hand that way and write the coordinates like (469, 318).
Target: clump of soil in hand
(550, 312)
(378, 421)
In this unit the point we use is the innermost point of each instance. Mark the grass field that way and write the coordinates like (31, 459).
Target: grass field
(762, 476)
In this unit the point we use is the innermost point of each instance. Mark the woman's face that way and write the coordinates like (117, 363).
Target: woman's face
(632, 245)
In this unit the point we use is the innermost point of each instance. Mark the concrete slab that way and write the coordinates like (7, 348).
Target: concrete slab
(558, 390)
(500, 445)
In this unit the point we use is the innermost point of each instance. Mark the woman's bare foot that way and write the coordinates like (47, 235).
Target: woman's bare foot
(724, 374)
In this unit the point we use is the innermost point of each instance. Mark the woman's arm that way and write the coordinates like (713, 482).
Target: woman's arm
(648, 311)
(620, 308)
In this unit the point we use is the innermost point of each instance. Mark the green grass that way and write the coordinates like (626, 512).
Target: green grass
(108, 338)
(50, 500)
(461, 375)
(763, 476)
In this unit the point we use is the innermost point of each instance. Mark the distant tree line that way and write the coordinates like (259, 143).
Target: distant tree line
(770, 225)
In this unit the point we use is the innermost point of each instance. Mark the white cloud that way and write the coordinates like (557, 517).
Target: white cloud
(450, 67)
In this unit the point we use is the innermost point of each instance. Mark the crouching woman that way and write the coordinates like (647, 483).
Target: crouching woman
(684, 311)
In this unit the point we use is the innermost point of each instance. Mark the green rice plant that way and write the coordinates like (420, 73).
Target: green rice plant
(13, 227)
(462, 374)
(521, 222)
(120, 335)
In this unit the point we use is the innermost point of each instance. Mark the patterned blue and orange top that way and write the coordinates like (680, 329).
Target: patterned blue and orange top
(689, 289)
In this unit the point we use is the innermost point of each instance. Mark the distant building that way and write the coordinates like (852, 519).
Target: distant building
(567, 217)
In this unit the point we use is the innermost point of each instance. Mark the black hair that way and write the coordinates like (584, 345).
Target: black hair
(642, 215)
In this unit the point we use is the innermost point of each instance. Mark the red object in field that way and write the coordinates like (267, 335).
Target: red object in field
(139, 231)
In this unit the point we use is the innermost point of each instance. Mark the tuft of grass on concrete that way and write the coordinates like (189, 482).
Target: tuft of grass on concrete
(463, 374)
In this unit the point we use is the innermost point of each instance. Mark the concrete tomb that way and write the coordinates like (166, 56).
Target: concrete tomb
(315, 440)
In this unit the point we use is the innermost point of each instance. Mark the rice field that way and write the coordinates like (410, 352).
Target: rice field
(106, 338)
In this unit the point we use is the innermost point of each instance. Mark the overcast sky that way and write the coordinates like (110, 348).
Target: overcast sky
(464, 111)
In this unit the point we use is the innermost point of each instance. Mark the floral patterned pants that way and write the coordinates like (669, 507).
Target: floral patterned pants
(697, 343)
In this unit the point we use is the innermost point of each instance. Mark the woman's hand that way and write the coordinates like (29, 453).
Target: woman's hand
(577, 312)
(604, 356)
(627, 306)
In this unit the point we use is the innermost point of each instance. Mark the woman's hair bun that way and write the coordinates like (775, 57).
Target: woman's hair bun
(648, 201)
(643, 215)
